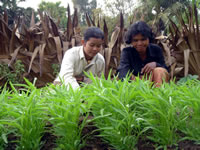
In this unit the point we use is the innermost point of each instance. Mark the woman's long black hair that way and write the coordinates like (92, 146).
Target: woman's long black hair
(139, 27)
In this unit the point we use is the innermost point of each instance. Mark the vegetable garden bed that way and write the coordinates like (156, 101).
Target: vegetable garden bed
(107, 114)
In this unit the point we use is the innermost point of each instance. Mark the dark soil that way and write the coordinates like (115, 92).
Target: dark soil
(12, 144)
(183, 145)
(188, 145)
(49, 141)
(93, 142)
(145, 145)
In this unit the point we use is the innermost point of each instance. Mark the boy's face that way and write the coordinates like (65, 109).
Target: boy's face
(92, 47)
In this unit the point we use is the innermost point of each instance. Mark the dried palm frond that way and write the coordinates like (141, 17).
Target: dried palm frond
(115, 47)
(185, 42)
(39, 47)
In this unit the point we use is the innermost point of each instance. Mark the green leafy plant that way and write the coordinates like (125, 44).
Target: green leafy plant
(3, 114)
(65, 108)
(115, 112)
(4, 70)
(190, 99)
(56, 69)
(188, 77)
(14, 76)
(26, 116)
(161, 119)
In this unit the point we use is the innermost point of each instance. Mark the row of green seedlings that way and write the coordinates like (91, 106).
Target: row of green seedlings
(28, 113)
(124, 112)
(128, 112)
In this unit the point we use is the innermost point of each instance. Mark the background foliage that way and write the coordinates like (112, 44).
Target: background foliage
(55, 11)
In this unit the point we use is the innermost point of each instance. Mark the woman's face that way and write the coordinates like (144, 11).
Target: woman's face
(140, 43)
(92, 47)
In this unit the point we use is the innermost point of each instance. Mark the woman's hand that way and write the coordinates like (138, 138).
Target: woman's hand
(148, 68)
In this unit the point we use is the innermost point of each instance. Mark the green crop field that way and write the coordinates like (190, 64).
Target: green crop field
(123, 113)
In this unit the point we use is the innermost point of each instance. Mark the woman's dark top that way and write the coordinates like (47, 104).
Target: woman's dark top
(130, 60)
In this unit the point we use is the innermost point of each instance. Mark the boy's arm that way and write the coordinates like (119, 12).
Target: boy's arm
(67, 70)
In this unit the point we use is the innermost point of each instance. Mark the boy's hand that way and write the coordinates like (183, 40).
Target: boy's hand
(79, 79)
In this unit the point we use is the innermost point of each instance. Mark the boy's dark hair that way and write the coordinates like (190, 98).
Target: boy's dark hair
(93, 32)
(139, 27)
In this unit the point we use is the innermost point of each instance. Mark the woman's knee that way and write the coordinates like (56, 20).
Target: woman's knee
(161, 73)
